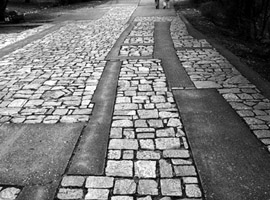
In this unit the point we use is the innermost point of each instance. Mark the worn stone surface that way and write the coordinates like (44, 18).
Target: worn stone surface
(119, 168)
(124, 186)
(99, 182)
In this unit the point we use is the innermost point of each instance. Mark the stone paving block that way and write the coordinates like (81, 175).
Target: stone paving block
(156, 123)
(124, 186)
(145, 198)
(185, 170)
(146, 143)
(174, 122)
(182, 162)
(147, 187)
(123, 144)
(121, 198)
(188, 180)
(148, 114)
(114, 154)
(99, 182)
(176, 153)
(122, 123)
(65, 193)
(171, 187)
(148, 155)
(165, 169)
(97, 194)
(119, 168)
(128, 154)
(77, 181)
(167, 143)
(168, 132)
(116, 133)
(193, 190)
(145, 169)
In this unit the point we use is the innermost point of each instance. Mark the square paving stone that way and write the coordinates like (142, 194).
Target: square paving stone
(171, 187)
(145, 169)
(124, 186)
(147, 187)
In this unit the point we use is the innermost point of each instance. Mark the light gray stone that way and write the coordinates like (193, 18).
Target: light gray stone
(66, 193)
(123, 144)
(147, 187)
(185, 170)
(124, 186)
(193, 190)
(77, 181)
(97, 194)
(176, 153)
(148, 155)
(171, 187)
(119, 168)
(168, 132)
(122, 123)
(167, 143)
(145, 169)
(165, 169)
(148, 114)
(147, 143)
(99, 182)
(174, 122)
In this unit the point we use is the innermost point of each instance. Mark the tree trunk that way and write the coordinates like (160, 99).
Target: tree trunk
(3, 5)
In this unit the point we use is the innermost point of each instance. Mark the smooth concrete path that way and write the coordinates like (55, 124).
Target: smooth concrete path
(231, 162)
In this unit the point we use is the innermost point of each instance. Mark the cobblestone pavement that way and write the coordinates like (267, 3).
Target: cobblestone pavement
(53, 80)
(11, 38)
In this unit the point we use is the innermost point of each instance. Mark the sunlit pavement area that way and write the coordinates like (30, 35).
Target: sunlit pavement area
(126, 104)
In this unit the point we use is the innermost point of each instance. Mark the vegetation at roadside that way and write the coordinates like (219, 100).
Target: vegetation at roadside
(242, 26)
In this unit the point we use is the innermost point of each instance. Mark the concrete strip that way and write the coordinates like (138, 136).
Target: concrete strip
(164, 50)
(36, 153)
(89, 159)
(231, 162)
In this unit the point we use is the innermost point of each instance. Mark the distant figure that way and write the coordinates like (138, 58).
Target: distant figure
(157, 4)
(166, 4)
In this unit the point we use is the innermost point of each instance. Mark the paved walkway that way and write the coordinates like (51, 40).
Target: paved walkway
(109, 75)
